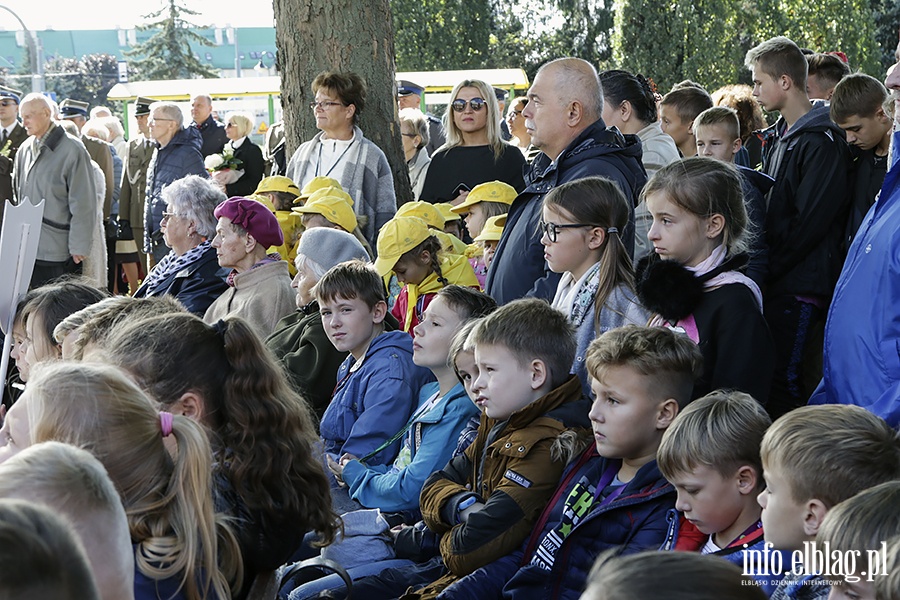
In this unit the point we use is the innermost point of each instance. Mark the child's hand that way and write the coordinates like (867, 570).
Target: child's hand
(336, 469)
(395, 531)
(347, 457)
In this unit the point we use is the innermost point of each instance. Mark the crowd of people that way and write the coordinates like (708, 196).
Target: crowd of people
(616, 342)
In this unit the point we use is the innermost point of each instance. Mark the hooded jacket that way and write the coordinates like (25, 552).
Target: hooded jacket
(374, 401)
(573, 530)
(179, 158)
(807, 207)
(518, 268)
(512, 468)
(862, 333)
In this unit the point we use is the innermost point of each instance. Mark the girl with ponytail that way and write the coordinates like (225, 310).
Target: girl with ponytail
(267, 476)
(581, 227)
(159, 463)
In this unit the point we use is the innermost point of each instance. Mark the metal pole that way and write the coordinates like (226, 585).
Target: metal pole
(35, 50)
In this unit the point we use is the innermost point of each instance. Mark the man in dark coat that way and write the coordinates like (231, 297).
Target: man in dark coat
(212, 132)
(12, 133)
(563, 117)
(177, 155)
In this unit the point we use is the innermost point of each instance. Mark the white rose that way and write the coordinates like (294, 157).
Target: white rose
(213, 161)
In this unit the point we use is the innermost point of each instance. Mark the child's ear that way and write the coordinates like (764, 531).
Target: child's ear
(715, 225)
(539, 373)
(815, 514)
(736, 147)
(881, 116)
(747, 479)
(668, 410)
(785, 82)
(596, 237)
(189, 405)
(425, 257)
(379, 311)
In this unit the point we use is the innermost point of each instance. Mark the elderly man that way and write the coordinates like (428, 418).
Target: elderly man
(134, 179)
(177, 155)
(409, 95)
(213, 132)
(563, 116)
(11, 133)
(55, 168)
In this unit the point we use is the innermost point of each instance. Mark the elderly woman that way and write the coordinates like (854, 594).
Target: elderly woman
(516, 122)
(341, 152)
(259, 286)
(237, 128)
(414, 135)
(189, 272)
(474, 152)
(299, 341)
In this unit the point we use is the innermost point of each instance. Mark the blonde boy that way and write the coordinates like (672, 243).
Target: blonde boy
(860, 527)
(711, 455)
(718, 133)
(813, 458)
(677, 112)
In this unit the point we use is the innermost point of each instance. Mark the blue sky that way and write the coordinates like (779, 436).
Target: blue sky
(109, 14)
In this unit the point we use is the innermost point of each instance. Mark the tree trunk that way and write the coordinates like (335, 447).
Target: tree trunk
(318, 35)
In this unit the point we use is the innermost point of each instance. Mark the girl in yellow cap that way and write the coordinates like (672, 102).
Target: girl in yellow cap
(408, 247)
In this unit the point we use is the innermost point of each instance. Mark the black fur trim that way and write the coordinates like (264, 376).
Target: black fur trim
(672, 291)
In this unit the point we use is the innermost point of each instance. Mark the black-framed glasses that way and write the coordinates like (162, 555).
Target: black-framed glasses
(325, 104)
(459, 105)
(551, 230)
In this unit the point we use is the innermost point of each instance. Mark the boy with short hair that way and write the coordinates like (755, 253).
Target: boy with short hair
(718, 134)
(814, 458)
(862, 525)
(677, 112)
(858, 107)
(824, 72)
(612, 494)
(711, 455)
(378, 384)
(805, 153)
(486, 500)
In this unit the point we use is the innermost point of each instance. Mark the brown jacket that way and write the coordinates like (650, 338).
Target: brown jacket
(512, 469)
(101, 153)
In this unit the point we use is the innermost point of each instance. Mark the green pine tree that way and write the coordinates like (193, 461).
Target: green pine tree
(167, 54)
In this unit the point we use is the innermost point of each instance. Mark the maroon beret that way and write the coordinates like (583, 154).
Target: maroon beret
(255, 217)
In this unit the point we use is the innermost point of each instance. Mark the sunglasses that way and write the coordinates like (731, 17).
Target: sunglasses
(459, 105)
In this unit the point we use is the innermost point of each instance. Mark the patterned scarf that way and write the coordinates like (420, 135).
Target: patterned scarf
(585, 296)
(172, 263)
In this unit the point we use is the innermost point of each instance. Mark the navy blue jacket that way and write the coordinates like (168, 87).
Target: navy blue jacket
(519, 268)
(196, 286)
(213, 133)
(634, 521)
(755, 186)
(180, 157)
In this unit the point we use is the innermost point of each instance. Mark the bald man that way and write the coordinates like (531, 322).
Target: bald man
(64, 179)
(563, 117)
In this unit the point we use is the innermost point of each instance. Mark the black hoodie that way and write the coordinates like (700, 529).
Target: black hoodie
(519, 268)
(807, 206)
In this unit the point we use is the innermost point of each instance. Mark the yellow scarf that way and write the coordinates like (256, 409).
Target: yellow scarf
(455, 270)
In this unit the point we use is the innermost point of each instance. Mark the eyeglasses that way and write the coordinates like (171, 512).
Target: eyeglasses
(167, 215)
(459, 105)
(551, 230)
(513, 114)
(410, 135)
(227, 125)
(324, 105)
(152, 122)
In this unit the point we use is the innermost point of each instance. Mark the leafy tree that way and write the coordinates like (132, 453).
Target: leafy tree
(167, 54)
(886, 14)
(88, 79)
(442, 34)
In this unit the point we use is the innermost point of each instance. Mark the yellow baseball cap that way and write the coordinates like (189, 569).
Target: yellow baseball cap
(317, 183)
(262, 200)
(333, 208)
(447, 212)
(331, 191)
(492, 191)
(425, 211)
(492, 230)
(277, 183)
(398, 236)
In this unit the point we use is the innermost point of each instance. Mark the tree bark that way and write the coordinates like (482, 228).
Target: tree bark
(318, 35)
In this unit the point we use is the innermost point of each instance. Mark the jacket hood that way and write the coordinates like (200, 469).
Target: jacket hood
(186, 136)
(818, 119)
(758, 179)
(399, 340)
(596, 140)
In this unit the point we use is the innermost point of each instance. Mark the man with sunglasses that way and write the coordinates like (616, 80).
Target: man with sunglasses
(12, 134)
(563, 117)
